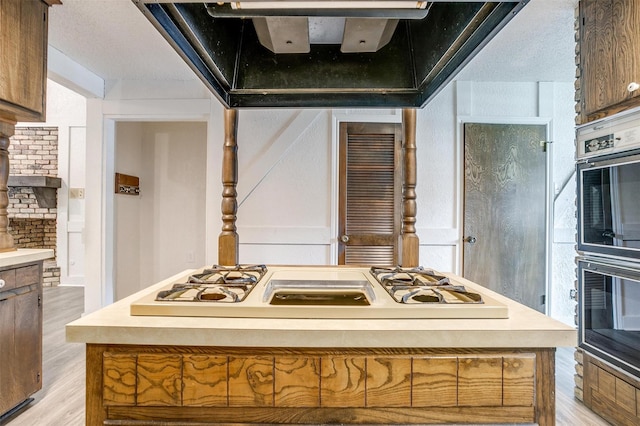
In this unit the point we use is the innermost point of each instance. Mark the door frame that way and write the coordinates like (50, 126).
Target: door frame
(393, 116)
(544, 121)
(102, 117)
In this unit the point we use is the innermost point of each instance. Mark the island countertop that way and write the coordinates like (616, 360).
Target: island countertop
(524, 328)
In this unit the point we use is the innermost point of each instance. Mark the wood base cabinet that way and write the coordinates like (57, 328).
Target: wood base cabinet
(171, 385)
(20, 334)
(609, 392)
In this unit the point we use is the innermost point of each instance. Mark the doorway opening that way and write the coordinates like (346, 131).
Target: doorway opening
(158, 232)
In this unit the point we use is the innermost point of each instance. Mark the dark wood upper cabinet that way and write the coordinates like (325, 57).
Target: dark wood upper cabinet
(23, 69)
(23, 81)
(609, 46)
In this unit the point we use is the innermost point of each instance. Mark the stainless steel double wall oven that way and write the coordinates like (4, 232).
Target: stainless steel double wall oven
(608, 174)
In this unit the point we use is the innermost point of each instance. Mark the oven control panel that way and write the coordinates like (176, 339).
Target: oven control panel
(609, 136)
(599, 143)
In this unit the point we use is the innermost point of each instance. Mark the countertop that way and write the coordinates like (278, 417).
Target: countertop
(16, 257)
(525, 328)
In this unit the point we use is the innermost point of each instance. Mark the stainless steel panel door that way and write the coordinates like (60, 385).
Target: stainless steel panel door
(505, 210)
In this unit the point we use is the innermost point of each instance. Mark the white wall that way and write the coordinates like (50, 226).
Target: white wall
(127, 221)
(284, 186)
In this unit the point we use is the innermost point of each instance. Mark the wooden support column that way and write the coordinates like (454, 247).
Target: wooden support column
(228, 241)
(6, 131)
(409, 242)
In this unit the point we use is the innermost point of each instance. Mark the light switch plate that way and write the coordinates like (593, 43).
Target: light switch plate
(76, 193)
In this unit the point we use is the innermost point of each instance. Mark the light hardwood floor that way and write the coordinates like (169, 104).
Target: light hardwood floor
(61, 400)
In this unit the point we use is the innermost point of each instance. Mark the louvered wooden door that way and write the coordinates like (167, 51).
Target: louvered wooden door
(370, 193)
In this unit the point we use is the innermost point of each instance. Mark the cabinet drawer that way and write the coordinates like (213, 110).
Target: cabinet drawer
(7, 280)
(27, 275)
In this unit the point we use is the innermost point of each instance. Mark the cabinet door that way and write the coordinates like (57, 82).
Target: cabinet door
(23, 44)
(7, 400)
(625, 15)
(610, 60)
(28, 343)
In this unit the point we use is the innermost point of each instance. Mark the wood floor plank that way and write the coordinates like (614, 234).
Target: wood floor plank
(62, 398)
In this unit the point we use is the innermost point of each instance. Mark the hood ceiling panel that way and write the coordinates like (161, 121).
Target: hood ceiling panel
(421, 56)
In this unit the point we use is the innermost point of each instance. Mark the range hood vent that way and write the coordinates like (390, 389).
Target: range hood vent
(386, 57)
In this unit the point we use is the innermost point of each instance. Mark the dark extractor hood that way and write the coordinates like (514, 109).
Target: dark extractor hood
(386, 57)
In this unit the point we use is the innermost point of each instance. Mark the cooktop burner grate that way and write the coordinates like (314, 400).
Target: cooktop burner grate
(420, 285)
(229, 284)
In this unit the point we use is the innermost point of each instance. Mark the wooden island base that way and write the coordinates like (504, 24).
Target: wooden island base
(166, 385)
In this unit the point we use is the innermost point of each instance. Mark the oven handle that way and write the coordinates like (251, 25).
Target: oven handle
(612, 161)
(621, 271)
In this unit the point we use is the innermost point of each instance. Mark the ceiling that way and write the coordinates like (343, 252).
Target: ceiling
(115, 41)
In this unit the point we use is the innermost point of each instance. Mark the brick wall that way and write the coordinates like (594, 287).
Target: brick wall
(34, 152)
(578, 376)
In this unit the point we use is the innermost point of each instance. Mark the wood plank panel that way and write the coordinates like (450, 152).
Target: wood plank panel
(479, 381)
(159, 379)
(251, 381)
(119, 379)
(388, 382)
(545, 402)
(205, 381)
(625, 396)
(95, 410)
(297, 382)
(343, 381)
(435, 382)
(218, 416)
(518, 380)
(606, 384)
(606, 407)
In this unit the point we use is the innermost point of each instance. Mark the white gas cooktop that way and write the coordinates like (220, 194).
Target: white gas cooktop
(255, 291)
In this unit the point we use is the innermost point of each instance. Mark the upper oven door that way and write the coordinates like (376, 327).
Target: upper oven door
(609, 205)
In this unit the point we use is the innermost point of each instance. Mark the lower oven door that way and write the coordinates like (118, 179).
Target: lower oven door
(609, 320)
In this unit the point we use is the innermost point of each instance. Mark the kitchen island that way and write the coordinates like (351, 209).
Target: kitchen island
(144, 369)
